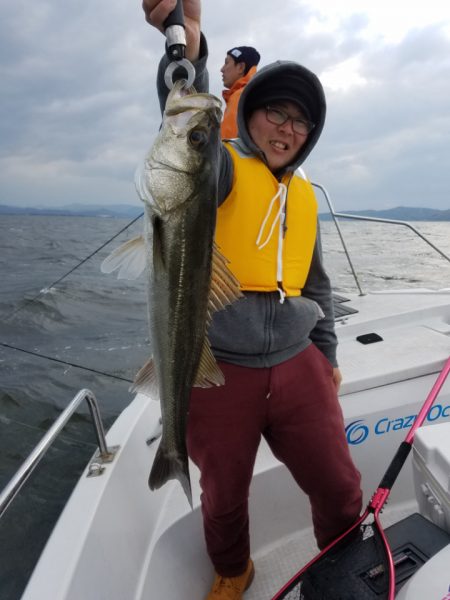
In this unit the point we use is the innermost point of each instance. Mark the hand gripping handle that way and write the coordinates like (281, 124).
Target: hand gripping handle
(176, 46)
(175, 33)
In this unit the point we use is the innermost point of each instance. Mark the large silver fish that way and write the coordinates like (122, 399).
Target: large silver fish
(188, 277)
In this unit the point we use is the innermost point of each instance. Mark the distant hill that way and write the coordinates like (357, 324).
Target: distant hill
(400, 213)
(124, 211)
(127, 211)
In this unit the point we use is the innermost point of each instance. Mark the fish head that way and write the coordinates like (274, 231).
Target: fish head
(185, 152)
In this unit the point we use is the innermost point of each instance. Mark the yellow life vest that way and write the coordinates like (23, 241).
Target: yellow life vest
(267, 229)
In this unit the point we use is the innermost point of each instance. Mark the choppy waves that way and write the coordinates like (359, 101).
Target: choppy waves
(96, 328)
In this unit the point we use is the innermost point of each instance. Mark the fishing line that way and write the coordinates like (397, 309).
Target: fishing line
(64, 362)
(35, 428)
(44, 290)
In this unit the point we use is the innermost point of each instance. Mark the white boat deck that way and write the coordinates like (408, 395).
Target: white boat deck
(275, 566)
(415, 328)
(116, 540)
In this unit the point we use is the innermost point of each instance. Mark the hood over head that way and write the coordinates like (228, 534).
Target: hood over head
(284, 80)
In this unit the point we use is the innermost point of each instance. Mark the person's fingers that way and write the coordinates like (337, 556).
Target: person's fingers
(157, 12)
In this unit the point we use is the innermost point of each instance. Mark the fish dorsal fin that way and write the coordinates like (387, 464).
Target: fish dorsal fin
(224, 290)
(224, 287)
(145, 381)
(129, 258)
(208, 372)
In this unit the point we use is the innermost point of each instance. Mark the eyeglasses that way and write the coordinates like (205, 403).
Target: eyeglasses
(279, 117)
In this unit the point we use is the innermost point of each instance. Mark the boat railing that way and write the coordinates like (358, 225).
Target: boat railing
(104, 454)
(336, 215)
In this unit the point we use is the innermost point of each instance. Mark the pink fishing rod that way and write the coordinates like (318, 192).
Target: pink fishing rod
(374, 507)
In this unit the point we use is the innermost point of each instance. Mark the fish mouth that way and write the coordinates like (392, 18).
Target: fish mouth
(200, 102)
(159, 165)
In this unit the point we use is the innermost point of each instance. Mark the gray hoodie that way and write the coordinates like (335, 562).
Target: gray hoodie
(258, 330)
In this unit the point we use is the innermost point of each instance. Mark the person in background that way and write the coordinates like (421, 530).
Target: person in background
(277, 345)
(239, 67)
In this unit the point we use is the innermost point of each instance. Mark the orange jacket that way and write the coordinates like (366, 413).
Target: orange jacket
(229, 123)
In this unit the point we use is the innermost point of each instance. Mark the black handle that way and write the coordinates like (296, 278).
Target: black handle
(175, 33)
(396, 465)
(176, 17)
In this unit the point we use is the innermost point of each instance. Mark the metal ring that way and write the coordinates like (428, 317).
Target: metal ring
(186, 65)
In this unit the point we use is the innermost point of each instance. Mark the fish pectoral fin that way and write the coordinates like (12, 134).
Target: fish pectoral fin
(224, 289)
(145, 381)
(129, 258)
(208, 372)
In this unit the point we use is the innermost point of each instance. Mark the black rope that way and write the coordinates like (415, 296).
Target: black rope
(64, 362)
(31, 300)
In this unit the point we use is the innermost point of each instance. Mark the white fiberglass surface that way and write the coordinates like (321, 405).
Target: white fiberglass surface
(276, 565)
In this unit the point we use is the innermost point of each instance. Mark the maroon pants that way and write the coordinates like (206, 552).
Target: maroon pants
(294, 405)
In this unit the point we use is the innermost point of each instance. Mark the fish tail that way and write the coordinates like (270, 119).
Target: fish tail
(170, 466)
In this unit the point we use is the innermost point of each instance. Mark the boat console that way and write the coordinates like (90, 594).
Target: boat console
(431, 470)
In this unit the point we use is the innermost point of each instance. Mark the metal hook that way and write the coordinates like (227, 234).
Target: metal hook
(176, 47)
(173, 66)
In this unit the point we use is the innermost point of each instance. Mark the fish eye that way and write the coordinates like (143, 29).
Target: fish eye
(198, 138)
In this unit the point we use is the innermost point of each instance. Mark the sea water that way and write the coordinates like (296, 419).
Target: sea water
(60, 334)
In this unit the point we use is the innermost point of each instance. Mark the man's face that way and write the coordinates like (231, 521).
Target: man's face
(279, 143)
(231, 71)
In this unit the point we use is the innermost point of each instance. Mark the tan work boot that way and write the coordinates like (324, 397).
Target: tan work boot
(232, 588)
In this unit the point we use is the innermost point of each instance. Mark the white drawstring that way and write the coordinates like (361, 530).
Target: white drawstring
(282, 294)
(282, 194)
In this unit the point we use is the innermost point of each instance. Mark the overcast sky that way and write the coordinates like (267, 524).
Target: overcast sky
(78, 106)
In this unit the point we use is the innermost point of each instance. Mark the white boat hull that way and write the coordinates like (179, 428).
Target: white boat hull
(117, 540)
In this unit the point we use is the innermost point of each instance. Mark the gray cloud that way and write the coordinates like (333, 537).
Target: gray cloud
(78, 108)
(387, 143)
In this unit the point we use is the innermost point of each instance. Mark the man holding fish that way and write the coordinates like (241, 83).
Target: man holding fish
(276, 345)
